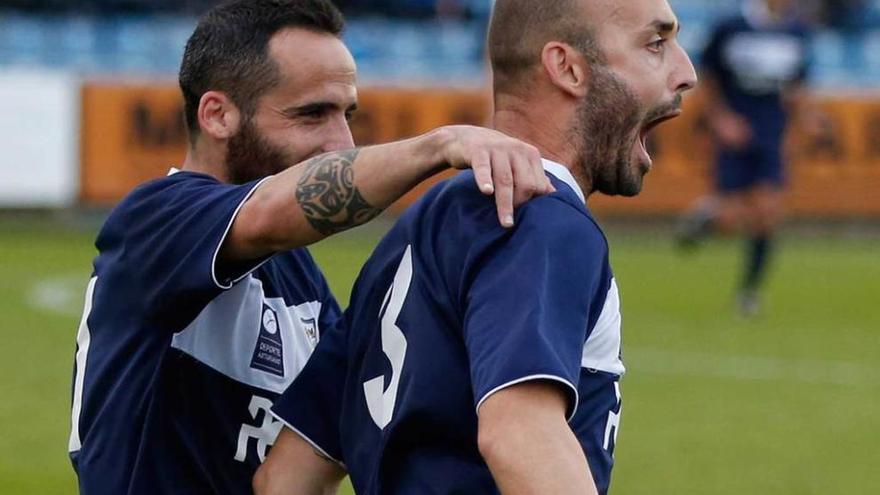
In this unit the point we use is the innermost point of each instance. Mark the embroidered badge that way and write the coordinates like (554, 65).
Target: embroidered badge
(310, 327)
(269, 352)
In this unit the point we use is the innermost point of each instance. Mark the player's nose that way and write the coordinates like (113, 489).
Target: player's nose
(684, 77)
(338, 136)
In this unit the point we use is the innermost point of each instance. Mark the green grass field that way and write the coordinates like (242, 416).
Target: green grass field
(785, 404)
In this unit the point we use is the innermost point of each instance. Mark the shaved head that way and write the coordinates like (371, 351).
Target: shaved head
(520, 29)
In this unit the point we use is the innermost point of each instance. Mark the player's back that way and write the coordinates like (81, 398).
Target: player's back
(421, 351)
(418, 432)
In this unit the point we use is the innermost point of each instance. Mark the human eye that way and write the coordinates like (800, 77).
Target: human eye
(314, 114)
(657, 45)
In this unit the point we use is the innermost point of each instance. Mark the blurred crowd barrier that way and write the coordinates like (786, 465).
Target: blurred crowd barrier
(134, 132)
(439, 51)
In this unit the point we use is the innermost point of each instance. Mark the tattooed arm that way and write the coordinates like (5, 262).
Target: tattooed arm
(340, 190)
(328, 196)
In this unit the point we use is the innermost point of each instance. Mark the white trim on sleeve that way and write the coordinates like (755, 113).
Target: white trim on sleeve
(83, 342)
(309, 441)
(530, 378)
(223, 239)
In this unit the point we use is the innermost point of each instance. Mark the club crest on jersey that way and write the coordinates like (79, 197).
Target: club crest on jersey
(310, 327)
(269, 352)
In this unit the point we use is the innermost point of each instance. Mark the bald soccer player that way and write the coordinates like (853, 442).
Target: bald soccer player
(496, 367)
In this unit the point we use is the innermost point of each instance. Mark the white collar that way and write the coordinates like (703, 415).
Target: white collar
(173, 171)
(562, 173)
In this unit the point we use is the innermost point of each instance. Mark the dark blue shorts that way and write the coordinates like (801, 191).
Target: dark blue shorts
(742, 170)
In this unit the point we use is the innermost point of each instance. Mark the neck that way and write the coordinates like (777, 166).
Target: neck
(206, 159)
(550, 135)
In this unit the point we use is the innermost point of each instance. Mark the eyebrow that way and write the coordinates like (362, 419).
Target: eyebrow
(664, 26)
(317, 107)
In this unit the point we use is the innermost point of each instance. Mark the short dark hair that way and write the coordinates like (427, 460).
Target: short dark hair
(519, 29)
(228, 51)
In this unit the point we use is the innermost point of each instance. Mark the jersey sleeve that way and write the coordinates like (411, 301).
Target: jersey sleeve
(528, 302)
(311, 406)
(168, 235)
(331, 314)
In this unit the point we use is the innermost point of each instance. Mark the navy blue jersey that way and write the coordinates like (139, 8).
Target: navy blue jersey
(450, 309)
(754, 63)
(179, 356)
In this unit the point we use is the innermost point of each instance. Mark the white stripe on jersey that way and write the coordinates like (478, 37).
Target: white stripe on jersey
(226, 332)
(602, 349)
(83, 340)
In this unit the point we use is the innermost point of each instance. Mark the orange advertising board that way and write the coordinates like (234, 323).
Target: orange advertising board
(131, 133)
(135, 132)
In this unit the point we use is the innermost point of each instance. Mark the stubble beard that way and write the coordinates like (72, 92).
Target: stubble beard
(608, 123)
(251, 157)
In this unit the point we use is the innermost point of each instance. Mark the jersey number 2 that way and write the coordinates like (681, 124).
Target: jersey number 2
(381, 400)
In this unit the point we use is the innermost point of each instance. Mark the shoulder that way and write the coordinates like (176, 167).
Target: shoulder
(183, 185)
(456, 223)
(174, 182)
(178, 187)
(564, 226)
(460, 194)
(556, 215)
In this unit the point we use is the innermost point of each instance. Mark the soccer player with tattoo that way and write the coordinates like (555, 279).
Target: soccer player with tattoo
(202, 306)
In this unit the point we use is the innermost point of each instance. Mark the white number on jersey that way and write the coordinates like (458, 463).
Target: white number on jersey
(265, 434)
(380, 401)
(613, 423)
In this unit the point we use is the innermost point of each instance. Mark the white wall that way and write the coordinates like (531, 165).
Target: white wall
(39, 139)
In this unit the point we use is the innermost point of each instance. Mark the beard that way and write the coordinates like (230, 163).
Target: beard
(609, 123)
(251, 157)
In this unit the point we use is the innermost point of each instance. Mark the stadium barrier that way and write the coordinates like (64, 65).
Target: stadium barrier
(134, 132)
(39, 116)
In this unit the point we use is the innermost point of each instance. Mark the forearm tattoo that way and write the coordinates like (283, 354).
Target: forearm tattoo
(328, 196)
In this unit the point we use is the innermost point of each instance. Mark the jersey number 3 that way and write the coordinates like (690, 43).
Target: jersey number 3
(381, 400)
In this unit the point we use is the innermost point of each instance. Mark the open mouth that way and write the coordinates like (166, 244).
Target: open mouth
(646, 130)
(643, 135)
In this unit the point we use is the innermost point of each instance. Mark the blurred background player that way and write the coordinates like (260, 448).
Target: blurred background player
(753, 73)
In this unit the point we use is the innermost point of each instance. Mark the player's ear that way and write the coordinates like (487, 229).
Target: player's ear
(567, 68)
(219, 117)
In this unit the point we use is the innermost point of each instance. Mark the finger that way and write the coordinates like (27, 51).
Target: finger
(502, 175)
(482, 167)
(548, 184)
(543, 185)
(545, 178)
(525, 181)
(536, 166)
